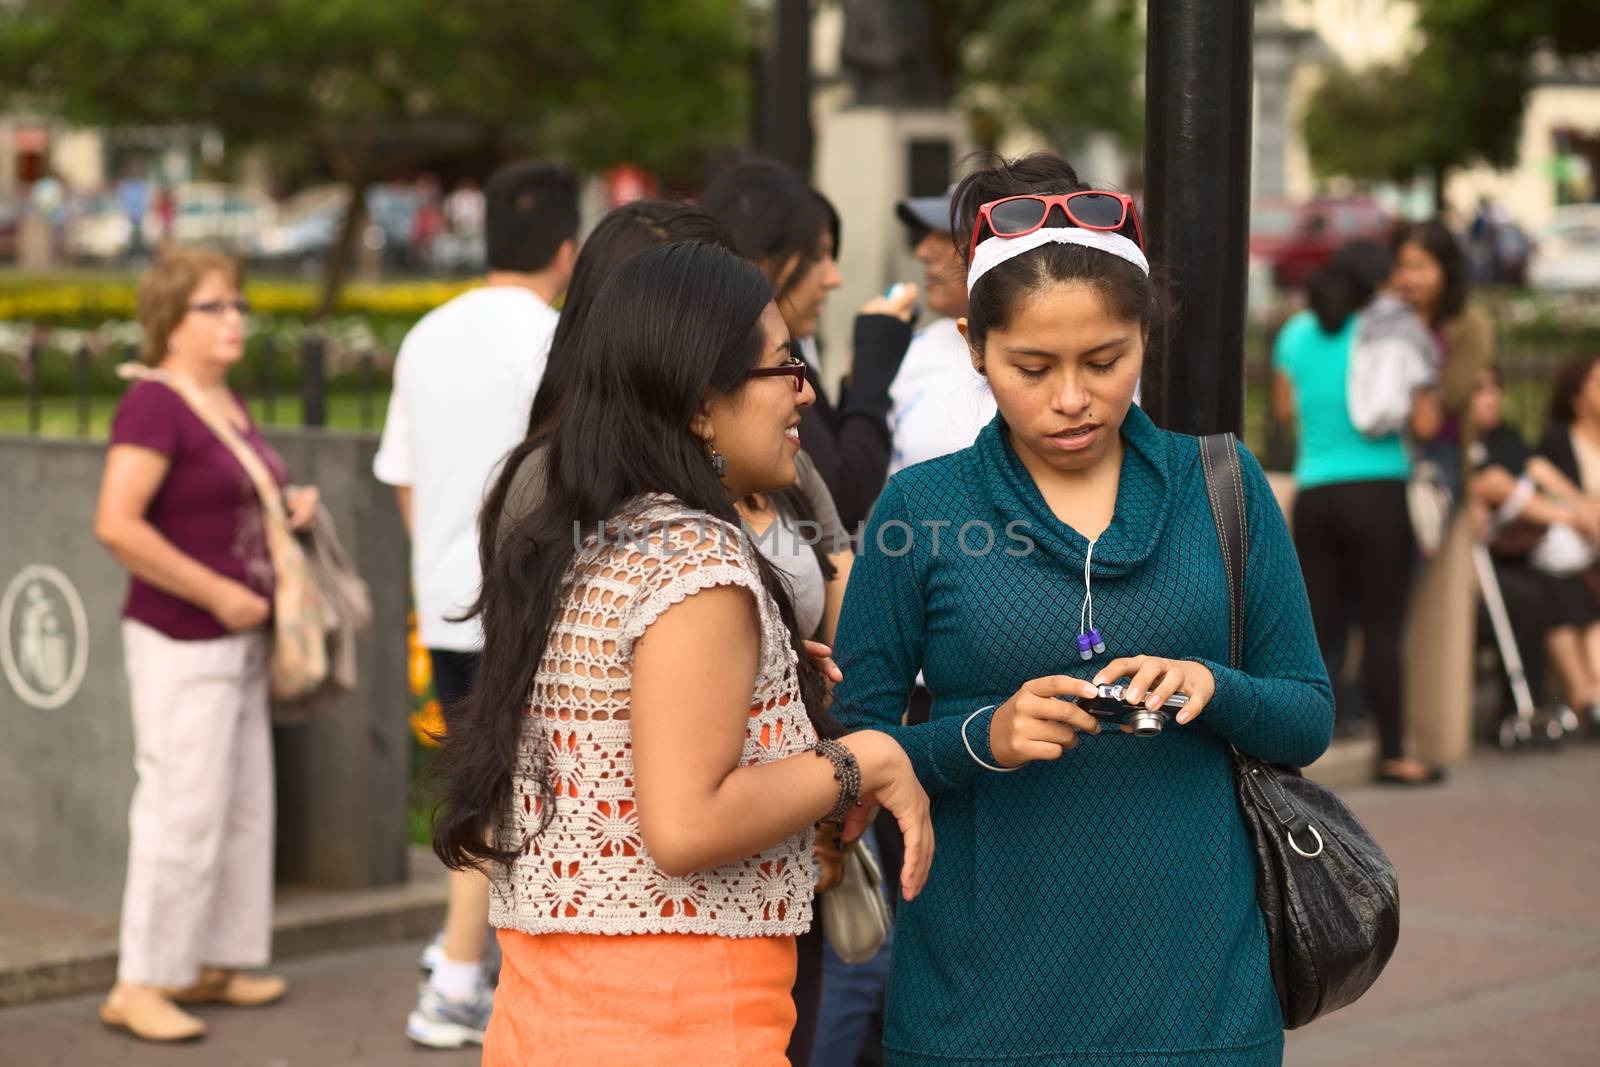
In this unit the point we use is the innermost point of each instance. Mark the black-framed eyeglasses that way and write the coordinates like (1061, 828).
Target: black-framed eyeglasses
(218, 307)
(794, 367)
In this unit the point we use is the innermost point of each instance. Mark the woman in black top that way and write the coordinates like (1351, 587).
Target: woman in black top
(1554, 616)
(791, 232)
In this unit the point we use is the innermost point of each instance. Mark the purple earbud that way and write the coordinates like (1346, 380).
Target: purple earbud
(1095, 640)
(1086, 646)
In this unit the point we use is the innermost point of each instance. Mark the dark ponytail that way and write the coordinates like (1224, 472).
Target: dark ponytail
(1347, 283)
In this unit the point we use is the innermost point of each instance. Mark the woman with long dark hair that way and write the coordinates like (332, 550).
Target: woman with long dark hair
(798, 529)
(1430, 274)
(1095, 898)
(1352, 530)
(1572, 436)
(639, 765)
(1543, 531)
(1571, 444)
(791, 232)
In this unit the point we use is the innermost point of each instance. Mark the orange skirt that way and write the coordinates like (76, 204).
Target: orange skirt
(596, 1000)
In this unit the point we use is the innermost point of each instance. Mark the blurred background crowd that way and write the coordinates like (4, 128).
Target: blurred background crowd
(342, 198)
(339, 149)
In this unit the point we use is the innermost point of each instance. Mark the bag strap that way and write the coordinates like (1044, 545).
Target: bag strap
(1219, 458)
(266, 485)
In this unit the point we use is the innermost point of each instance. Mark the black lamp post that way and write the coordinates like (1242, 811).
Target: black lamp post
(783, 105)
(1197, 204)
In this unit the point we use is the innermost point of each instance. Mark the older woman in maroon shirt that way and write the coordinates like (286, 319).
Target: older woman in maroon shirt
(179, 512)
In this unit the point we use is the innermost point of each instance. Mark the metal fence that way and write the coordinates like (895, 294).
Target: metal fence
(285, 385)
(297, 384)
(1525, 379)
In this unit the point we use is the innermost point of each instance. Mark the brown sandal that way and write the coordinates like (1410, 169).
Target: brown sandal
(233, 988)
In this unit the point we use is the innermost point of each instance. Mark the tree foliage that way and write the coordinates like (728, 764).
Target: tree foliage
(1067, 68)
(654, 82)
(367, 84)
(1458, 100)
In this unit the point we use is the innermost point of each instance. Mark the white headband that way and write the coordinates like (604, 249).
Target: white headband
(994, 251)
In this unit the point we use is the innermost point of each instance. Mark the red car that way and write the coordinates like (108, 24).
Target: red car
(1296, 239)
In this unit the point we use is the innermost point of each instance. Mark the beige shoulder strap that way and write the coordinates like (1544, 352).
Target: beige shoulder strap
(254, 466)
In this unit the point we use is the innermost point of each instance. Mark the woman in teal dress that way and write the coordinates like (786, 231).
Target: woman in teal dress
(1094, 900)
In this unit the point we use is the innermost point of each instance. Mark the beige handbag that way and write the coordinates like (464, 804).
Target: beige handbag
(855, 916)
(299, 663)
(1430, 505)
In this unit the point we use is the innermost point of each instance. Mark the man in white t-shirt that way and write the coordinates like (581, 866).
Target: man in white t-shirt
(464, 383)
(940, 402)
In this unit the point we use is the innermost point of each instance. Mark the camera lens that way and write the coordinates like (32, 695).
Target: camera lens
(1146, 723)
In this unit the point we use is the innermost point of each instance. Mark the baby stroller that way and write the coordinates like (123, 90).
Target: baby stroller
(1528, 721)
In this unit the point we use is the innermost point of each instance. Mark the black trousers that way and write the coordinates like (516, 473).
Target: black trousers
(1538, 603)
(1356, 550)
(453, 675)
(807, 992)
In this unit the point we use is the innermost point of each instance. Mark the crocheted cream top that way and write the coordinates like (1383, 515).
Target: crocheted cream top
(588, 870)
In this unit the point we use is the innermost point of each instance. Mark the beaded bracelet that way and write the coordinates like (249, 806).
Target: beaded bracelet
(847, 772)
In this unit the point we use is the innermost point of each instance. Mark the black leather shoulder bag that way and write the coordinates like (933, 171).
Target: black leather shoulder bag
(1329, 895)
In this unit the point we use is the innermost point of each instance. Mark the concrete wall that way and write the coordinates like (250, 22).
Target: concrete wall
(66, 767)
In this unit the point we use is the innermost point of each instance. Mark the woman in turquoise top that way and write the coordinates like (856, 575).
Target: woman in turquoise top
(1094, 898)
(1352, 528)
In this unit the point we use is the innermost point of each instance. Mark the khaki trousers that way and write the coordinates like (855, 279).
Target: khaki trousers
(199, 890)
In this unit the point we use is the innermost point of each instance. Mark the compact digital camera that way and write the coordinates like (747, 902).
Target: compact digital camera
(1110, 706)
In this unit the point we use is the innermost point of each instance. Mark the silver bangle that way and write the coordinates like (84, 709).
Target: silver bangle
(974, 755)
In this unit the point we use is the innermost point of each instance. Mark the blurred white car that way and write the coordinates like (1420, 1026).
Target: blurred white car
(97, 230)
(204, 213)
(308, 223)
(225, 216)
(1566, 255)
(304, 230)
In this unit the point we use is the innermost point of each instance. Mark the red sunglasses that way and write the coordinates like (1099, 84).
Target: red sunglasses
(794, 367)
(1088, 209)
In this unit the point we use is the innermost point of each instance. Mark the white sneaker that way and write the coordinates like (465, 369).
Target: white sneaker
(439, 1022)
(433, 955)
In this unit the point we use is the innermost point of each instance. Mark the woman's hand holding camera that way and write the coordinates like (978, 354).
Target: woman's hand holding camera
(1154, 680)
(1035, 725)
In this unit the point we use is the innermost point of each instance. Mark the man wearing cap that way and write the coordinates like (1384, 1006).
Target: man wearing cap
(939, 402)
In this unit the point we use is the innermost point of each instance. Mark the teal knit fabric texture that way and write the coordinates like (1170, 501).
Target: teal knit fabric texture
(1099, 909)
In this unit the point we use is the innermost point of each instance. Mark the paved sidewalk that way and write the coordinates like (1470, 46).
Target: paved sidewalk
(1498, 964)
(1499, 956)
(345, 1009)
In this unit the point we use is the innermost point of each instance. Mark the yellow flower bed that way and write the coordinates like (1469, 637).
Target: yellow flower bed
(38, 300)
(427, 717)
(427, 724)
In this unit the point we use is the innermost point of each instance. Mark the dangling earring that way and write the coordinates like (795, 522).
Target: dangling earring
(719, 462)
